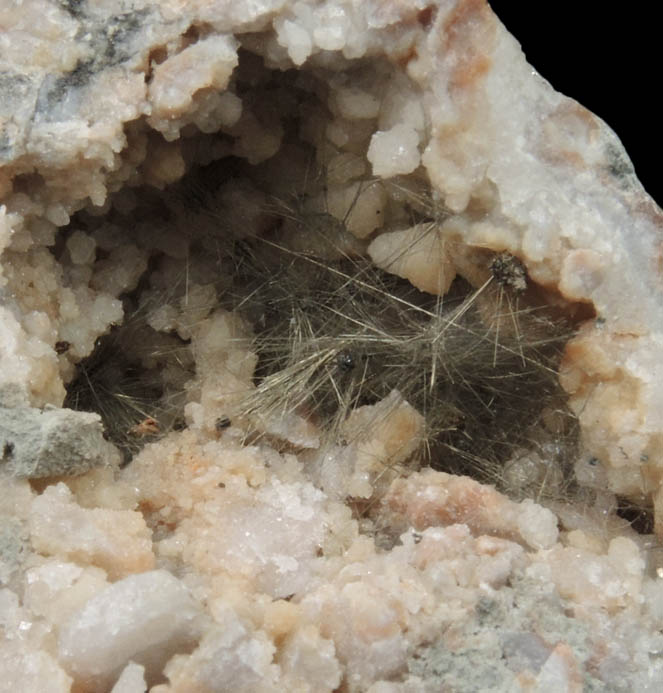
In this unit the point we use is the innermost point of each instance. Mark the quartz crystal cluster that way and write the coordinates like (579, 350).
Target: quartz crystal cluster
(224, 548)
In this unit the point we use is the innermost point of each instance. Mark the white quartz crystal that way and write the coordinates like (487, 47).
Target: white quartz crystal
(143, 618)
(132, 680)
(394, 151)
(116, 540)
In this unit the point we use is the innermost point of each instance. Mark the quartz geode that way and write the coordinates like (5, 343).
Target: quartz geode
(144, 147)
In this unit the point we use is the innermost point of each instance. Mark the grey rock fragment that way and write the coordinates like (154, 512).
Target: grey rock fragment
(512, 632)
(14, 547)
(37, 443)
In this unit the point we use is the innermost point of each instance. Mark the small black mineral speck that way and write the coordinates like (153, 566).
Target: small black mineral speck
(345, 361)
(509, 271)
(222, 423)
(62, 347)
(485, 606)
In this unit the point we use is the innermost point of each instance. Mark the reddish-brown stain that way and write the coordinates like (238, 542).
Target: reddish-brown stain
(649, 210)
(425, 16)
(565, 157)
(466, 30)
(659, 259)
(471, 72)
(571, 124)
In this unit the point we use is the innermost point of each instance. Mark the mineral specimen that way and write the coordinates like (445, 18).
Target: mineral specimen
(292, 255)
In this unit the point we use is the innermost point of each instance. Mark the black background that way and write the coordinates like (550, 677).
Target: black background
(609, 61)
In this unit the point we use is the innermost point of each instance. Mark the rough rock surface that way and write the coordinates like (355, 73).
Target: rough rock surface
(215, 563)
(564, 191)
(52, 441)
